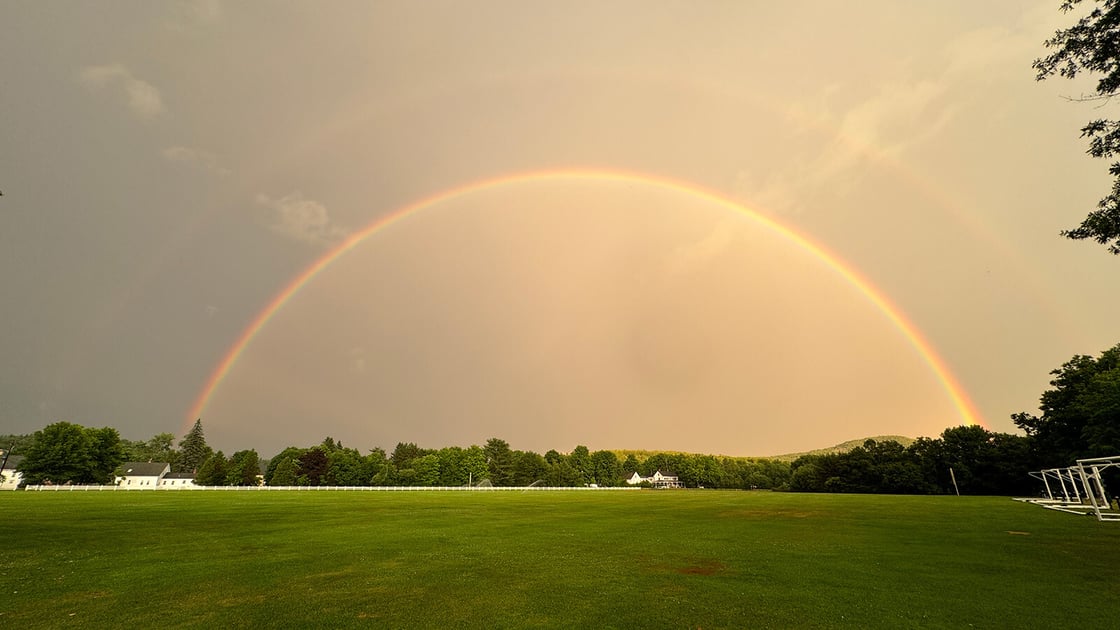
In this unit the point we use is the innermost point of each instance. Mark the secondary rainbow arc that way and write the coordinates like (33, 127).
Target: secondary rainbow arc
(953, 389)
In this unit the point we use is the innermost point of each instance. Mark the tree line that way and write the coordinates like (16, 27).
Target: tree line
(69, 453)
(1080, 417)
(495, 463)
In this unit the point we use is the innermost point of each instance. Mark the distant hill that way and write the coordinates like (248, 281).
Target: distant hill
(844, 447)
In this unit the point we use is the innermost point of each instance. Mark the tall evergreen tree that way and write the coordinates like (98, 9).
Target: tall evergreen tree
(193, 450)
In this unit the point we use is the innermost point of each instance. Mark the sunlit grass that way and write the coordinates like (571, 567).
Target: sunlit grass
(549, 559)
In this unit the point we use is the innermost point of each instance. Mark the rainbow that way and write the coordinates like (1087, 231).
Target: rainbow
(956, 393)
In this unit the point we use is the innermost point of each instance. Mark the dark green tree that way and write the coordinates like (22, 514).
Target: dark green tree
(313, 466)
(473, 464)
(160, 448)
(580, 460)
(561, 474)
(630, 465)
(605, 468)
(385, 475)
(499, 460)
(404, 453)
(285, 473)
(244, 466)
(451, 466)
(1080, 414)
(193, 450)
(69, 453)
(346, 468)
(1091, 46)
(213, 471)
(105, 454)
(61, 454)
(374, 467)
(426, 469)
(528, 468)
(291, 454)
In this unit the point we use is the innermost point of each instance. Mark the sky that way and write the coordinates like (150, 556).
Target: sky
(742, 228)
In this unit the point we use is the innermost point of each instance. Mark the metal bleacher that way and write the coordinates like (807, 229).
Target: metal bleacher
(1077, 489)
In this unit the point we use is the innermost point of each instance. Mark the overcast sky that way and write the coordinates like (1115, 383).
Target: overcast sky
(168, 168)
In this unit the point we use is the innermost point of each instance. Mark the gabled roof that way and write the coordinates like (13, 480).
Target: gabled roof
(179, 475)
(143, 469)
(13, 461)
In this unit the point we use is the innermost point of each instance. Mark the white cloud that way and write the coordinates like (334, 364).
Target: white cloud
(301, 219)
(896, 118)
(901, 115)
(196, 158)
(776, 192)
(142, 97)
(698, 254)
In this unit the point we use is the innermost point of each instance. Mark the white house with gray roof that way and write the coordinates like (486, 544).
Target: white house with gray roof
(142, 475)
(176, 480)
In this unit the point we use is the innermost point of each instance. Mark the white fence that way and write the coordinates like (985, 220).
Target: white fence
(96, 488)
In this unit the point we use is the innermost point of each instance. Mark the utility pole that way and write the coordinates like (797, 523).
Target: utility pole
(954, 478)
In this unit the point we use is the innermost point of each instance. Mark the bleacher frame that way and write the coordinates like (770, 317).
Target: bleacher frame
(1078, 489)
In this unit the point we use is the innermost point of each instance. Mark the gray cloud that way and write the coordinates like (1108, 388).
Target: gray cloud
(301, 219)
(142, 97)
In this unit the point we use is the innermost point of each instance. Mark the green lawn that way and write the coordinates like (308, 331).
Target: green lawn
(645, 559)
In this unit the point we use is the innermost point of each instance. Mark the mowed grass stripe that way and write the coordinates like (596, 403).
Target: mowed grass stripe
(673, 559)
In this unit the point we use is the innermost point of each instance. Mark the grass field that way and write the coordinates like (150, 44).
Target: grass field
(646, 559)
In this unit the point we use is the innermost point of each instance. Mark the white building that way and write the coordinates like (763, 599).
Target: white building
(658, 480)
(11, 476)
(142, 475)
(177, 480)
